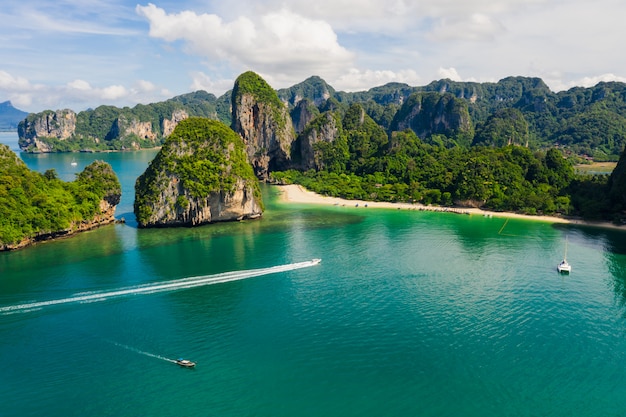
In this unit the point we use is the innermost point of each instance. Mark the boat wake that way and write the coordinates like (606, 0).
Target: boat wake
(141, 352)
(183, 283)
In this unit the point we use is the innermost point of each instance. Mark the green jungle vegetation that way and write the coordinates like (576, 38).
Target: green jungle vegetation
(582, 122)
(205, 155)
(34, 205)
(96, 128)
(364, 163)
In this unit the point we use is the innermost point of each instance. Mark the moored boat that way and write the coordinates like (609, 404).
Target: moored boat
(564, 267)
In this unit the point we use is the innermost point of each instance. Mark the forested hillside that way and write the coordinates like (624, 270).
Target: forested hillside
(36, 206)
(585, 123)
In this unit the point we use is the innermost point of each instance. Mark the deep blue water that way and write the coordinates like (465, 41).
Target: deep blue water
(409, 313)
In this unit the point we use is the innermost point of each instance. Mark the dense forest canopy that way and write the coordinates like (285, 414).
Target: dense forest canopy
(34, 204)
(583, 122)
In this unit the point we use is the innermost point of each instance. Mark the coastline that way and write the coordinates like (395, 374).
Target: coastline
(294, 193)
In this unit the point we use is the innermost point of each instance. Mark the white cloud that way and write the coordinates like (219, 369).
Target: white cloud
(144, 86)
(113, 92)
(11, 83)
(79, 85)
(202, 81)
(450, 73)
(475, 27)
(360, 80)
(286, 45)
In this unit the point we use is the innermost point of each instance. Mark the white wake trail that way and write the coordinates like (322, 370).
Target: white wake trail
(177, 284)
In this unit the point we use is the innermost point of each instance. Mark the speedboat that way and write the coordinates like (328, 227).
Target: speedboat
(185, 363)
(316, 261)
(564, 267)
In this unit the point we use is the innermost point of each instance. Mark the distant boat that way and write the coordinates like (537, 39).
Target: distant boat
(316, 261)
(185, 363)
(564, 267)
(74, 163)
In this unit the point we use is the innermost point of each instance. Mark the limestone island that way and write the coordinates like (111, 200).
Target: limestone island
(201, 175)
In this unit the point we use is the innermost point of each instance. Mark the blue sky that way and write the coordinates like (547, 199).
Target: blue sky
(83, 53)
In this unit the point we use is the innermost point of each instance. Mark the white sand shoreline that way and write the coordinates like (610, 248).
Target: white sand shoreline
(297, 194)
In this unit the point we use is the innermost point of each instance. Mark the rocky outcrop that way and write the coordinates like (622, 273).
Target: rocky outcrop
(108, 128)
(168, 125)
(122, 128)
(264, 124)
(60, 124)
(325, 128)
(302, 114)
(430, 114)
(200, 175)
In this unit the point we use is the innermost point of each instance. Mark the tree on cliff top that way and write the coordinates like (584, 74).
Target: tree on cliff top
(205, 155)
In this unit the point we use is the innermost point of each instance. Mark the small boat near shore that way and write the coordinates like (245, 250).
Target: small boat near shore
(564, 267)
(185, 363)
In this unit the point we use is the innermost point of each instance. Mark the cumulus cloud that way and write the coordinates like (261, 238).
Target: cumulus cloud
(10, 83)
(359, 80)
(281, 43)
(37, 97)
(475, 27)
(202, 81)
(450, 73)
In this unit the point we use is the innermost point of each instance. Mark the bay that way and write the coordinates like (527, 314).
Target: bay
(409, 313)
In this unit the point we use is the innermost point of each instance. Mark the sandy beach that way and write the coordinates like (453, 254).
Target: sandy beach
(297, 194)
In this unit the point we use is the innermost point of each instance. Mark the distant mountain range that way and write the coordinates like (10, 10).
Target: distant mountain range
(589, 122)
(10, 117)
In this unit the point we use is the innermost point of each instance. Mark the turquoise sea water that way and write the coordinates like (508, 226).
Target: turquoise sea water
(409, 313)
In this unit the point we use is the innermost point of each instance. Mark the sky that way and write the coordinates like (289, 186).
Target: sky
(80, 54)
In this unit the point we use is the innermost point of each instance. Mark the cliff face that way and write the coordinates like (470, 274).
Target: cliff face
(264, 124)
(325, 128)
(433, 113)
(60, 124)
(302, 114)
(168, 125)
(105, 128)
(200, 175)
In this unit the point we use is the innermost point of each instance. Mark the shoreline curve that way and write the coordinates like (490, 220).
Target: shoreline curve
(294, 193)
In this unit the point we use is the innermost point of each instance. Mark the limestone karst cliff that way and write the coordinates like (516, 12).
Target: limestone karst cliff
(264, 124)
(200, 175)
(108, 128)
(430, 114)
(323, 130)
(60, 124)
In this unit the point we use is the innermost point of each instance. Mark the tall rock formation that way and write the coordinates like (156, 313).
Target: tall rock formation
(323, 129)
(168, 125)
(433, 113)
(200, 175)
(264, 124)
(60, 124)
(302, 114)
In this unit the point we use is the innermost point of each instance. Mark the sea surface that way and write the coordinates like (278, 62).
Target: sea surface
(409, 313)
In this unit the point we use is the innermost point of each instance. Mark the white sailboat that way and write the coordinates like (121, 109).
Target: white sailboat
(564, 267)
(73, 163)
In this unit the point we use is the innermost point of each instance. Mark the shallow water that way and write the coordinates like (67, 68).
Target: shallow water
(409, 313)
